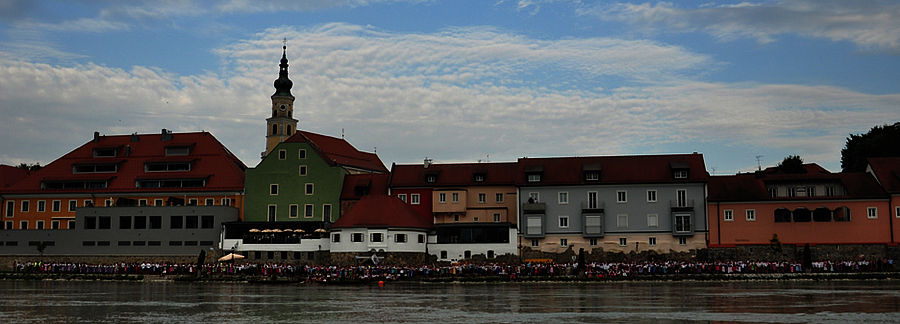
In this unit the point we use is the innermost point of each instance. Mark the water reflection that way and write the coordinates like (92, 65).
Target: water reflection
(777, 302)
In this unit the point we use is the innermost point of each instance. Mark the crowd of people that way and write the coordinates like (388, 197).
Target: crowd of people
(523, 271)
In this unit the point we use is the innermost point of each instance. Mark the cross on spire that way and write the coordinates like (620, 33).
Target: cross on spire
(284, 43)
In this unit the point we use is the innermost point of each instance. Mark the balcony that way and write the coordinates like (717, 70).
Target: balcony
(681, 205)
(534, 208)
(593, 226)
(596, 208)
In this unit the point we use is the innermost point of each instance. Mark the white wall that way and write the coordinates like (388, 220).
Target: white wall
(306, 245)
(388, 244)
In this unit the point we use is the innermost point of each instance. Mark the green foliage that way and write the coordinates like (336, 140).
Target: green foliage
(880, 141)
(29, 167)
(791, 164)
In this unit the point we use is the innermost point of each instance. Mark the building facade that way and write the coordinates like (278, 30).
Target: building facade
(617, 203)
(886, 171)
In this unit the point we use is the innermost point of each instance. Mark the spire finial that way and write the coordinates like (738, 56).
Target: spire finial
(284, 43)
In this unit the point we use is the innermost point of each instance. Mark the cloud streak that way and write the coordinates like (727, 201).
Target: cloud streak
(872, 25)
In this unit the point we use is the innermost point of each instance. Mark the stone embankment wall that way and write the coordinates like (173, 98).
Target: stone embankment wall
(396, 258)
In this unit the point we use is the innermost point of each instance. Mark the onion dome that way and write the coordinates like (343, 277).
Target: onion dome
(283, 84)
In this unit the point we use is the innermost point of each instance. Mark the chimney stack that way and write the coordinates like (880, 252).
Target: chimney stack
(96, 137)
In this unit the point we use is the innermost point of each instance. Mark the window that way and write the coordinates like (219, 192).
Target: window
(402, 197)
(9, 225)
(142, 202)
(157, 202)
(592, 175)
(176, 222)
(336, 237)
(421, 238)
(534, 197)
(534, 225)
(622, 220)
(155, 222)
(593, 225)
(498, 197)
(70, 224)
(124, 222)
(563, 221)
(728, 214)
(273, 189)
(535, 243)
(482, 198)
(104, 222)
(430, 178)
(309, 189)
(226, 201)
(872, 212)
(782, 215)
(414, 199)
(190, 222)
(140, 222)
(207, 221)
(563, 242)
(563, 198)
(479, 178)
(443, 254)
(178, 150)
(475, 219)
(442, 197)
(592, 202)
(897, 212)
(40, 225)
(682, 240)
(681, 174)
(455, 218)
(621, 196)
(23, 225)
(534, 177)
(454, 197)
(681, 198)
(376, 237)
(496, 217)
(326, 212)
(294, 211)
(105, 152)
(751, 215)
(592, 242)
(72, 205)
(167, 166)
(192, 202)
(308, 210)
(209, 202)
(400, 238)
(302, 170)
(42, 206)
(651, 195)
(282, 154)
(90, 222)
(829, 190)
(683, 223)
(25, 206)
(302, 153)
(623, 241)
(652, 220)
(272, 212)
(356, 237)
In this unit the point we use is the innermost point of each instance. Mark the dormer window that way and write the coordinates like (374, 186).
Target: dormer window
(167, 166)
(95, 168)
(479, 177)
(105, 152)
(534, 177)
(431, 178)
(178, 150)
(592, 175)
(681, 174)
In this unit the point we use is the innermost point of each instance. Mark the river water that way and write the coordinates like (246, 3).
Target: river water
(666, 302)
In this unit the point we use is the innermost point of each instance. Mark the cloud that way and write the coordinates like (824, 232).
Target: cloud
(870, 24)
(454, 95)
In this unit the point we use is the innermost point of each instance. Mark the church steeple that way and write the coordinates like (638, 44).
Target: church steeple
(282, 123)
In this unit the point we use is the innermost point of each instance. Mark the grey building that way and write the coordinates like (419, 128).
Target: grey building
(617, 203)
(126, 231)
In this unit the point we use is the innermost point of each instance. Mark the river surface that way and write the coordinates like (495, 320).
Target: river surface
(604, 302)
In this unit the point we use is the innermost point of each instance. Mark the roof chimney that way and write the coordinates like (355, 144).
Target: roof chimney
(134, 137)
(96, 137)
(427, 163)
(166, 135)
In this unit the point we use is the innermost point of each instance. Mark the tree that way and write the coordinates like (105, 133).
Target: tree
(30, 167)
(880, 141)
(791, 164)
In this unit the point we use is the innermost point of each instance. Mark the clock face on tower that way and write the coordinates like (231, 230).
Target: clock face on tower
(282, 108)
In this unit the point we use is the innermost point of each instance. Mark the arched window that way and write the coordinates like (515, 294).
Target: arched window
(842, 214)
(274, 129)
(289, 129)
(802, 215)
(782, 215)
(822, 214)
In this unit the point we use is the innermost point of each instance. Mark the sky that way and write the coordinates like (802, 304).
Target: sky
(746, 83)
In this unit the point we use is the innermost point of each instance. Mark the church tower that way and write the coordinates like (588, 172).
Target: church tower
(282, 123)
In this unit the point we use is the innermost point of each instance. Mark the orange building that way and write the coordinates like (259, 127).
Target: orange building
(812, 207)
(887, 173)
(163, 169)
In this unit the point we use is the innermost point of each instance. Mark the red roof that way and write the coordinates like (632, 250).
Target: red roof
(369, 184)
(382, 211)
(887, 170)
(459, 174)
(339, 151)
(210, 159)
(613, 169)
(752, 186)
(10, 175)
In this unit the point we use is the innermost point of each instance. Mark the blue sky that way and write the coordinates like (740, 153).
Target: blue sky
(458, 81)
